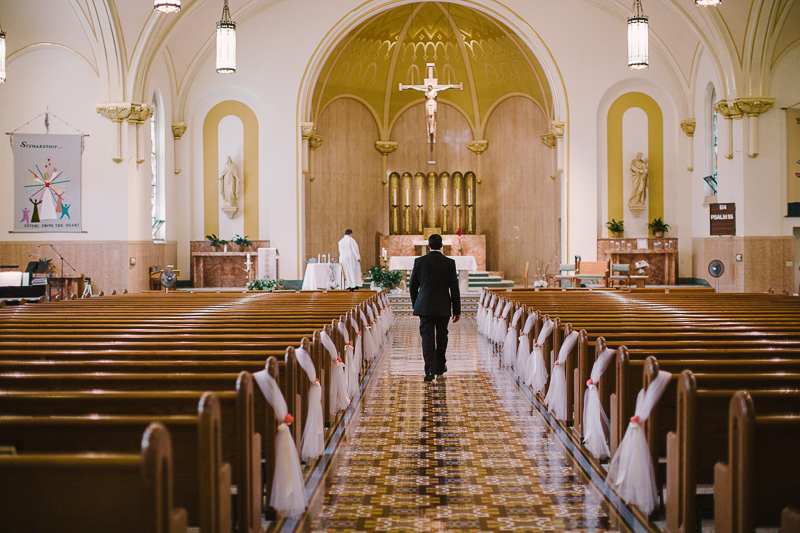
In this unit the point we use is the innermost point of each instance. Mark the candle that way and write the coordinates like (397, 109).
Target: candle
(457, 195)
(408, 196)
(419, 198)
(469, 196)
(394, 196)
(444, 195)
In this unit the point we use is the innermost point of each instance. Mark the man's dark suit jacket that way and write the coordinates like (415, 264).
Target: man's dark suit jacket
(434, 286)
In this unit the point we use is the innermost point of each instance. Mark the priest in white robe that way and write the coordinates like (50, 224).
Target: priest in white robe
(350, 259)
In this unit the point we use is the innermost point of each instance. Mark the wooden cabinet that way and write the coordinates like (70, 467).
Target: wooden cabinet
(661, 254)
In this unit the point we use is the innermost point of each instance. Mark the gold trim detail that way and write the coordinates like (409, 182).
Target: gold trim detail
(752, 107)
(549, 140)
(478, 146)
(688, 126)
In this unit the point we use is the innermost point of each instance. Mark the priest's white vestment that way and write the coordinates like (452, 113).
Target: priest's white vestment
(349, 257)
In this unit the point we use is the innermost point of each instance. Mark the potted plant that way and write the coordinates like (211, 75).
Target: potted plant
(215, 242)
(658, 227)
(383, 277)
(616, 227)
(240, 244)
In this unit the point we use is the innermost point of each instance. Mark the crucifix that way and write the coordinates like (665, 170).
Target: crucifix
(430, 86)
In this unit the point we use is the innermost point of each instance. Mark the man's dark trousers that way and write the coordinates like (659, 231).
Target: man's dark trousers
(433, 330)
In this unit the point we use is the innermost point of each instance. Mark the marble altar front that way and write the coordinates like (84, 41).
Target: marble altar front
(408, 245)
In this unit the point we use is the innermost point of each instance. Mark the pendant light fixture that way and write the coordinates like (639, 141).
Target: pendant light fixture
(226, 42)
(167, 6)
(2, 55)
(638, 29)
(708, 2)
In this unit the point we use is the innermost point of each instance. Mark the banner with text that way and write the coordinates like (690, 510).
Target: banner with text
(47, 183)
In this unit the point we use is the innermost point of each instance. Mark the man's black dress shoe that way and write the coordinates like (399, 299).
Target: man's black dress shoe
(429, 378)
(443, 371)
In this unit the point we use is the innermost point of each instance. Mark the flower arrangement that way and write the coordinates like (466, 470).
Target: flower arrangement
(641, 266)
(265, 284)
(383, 277)
(539, 283)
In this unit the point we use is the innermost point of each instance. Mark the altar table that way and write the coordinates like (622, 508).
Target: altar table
(323, 276)
(464, 265)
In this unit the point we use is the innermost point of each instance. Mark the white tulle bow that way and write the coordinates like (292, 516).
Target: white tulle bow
(595, 420)
(556, 398)
(631, 472)
(538, 374)
(288, 486)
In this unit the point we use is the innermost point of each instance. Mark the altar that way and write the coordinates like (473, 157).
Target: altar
(453, 246)
(323, 276)
(212, 267)
(464, 265)
(661, 254)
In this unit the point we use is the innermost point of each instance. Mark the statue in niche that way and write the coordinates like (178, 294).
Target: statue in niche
(639, 174)
(229, 188)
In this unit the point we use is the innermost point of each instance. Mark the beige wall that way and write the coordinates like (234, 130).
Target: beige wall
(105, 262)
(347, 191)
(518, 202)
(763, 265)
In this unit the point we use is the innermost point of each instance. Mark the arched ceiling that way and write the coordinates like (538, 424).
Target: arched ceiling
(466, 47)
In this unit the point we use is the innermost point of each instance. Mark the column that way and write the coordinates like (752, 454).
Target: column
(729, 111)
(178, 129)
(385, 148)
(752, 107)
(116, 112)
(688, 127)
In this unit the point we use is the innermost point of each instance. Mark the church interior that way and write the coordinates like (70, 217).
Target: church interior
(626, 173)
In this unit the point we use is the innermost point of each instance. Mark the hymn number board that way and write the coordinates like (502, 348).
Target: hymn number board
(723, 219)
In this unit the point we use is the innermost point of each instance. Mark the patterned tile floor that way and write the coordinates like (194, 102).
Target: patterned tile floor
(461, 454)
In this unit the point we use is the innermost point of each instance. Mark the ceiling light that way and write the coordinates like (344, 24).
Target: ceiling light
(638, 29)
(167, 6)
(226, 42)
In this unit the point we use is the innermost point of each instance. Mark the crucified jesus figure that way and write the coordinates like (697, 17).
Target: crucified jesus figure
(430, 87)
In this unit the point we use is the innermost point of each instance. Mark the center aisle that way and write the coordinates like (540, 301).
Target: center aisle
(460, 454)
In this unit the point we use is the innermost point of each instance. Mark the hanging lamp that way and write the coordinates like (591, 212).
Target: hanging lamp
(2, 55)
(167, 6)
(226, 42)
(638, 29)
(708, 2)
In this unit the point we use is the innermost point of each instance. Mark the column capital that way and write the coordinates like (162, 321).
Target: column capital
(478, 146)
(115, 111)
(557, 129)
(549, 140)
(688, 126)
(386, 147)
(752, 107)
(139, 113)
(314, 141)
(308, 129)
(178, 129)
(727, 109)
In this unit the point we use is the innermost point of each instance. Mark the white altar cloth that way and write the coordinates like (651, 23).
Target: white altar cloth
(323, 276)
(406, 262)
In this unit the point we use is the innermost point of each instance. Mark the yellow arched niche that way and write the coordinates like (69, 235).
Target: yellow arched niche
(211, 166)
(655, 152)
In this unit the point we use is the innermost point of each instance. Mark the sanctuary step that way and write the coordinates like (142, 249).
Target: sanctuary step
(490, 280)
(401, 303)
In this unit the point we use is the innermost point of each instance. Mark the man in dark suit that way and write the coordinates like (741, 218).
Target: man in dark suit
(434, 290)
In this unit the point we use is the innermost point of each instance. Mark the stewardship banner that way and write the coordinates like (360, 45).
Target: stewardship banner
(47, 183)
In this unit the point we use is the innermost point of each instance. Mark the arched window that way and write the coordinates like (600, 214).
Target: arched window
(157, 200)
(711, 142)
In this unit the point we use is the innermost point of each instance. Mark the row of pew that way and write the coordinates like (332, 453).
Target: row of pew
(711, 381)
(158, 412)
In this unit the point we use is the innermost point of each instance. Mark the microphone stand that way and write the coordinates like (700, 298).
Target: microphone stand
(63, 281)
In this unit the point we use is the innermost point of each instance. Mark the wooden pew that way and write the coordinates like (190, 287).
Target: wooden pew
(86, 493)
(762, 475)
(241, 444)
(202, 482)
(700, 440)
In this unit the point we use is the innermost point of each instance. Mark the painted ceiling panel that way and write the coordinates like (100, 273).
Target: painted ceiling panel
(789, 32)
(195, 29)
(132, 19)
(465, 46)
(681, 42)
(45, 22)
